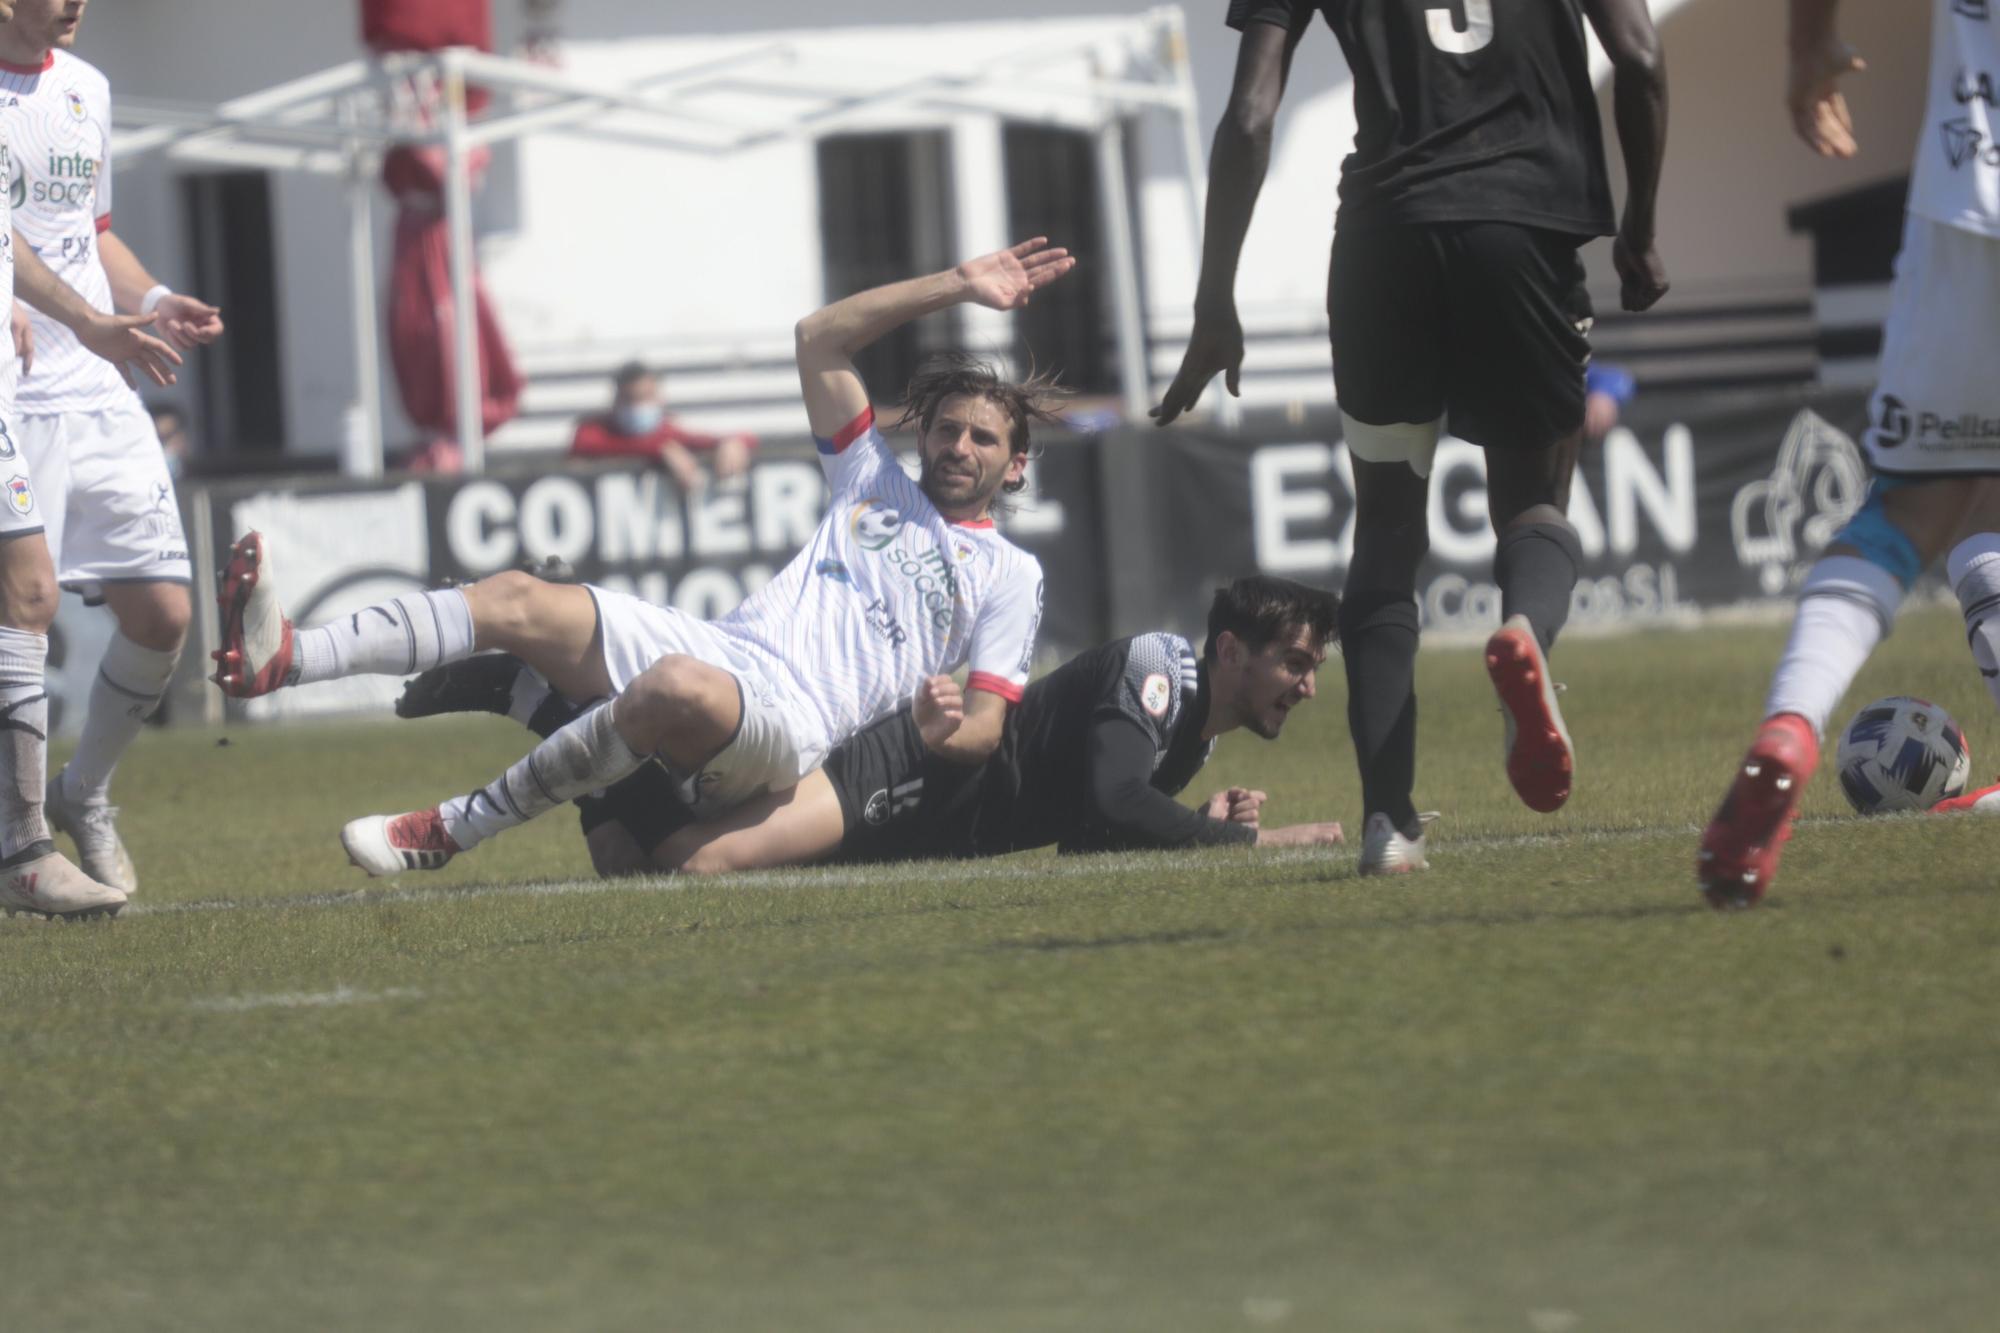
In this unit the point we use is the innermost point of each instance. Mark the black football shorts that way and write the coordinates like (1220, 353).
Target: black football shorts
(1485, 323)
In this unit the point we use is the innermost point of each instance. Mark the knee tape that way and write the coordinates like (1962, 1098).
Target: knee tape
(1881, 542)
(1412, 442)
(1855, 579)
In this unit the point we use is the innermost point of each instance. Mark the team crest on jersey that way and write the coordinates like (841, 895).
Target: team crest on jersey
(74, 100)
(20, 496)
(874, 524)
(1156, 694)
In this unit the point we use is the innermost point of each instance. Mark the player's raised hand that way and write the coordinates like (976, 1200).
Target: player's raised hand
(24, 338)
(1005, 279)
(1216, 345)
(121, 340)
(940, 710)
(188, 322)
(1812, 92)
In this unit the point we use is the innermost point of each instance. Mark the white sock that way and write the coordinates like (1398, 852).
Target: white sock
(1845, 609)
(395, 638)
(1974, 570)
(24, 740)
(579, 758)
(130, 682)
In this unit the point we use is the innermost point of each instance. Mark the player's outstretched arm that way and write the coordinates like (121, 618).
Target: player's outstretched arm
(1237, 161)
(962, 726)
(185, 321)
(119, 339)
(1639, 102)
(828, 339)
(1812, 86)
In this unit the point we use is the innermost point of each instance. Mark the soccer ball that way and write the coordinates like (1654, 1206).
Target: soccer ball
(1902, 754)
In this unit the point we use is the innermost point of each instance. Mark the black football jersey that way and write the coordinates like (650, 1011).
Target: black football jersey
(1468, 111)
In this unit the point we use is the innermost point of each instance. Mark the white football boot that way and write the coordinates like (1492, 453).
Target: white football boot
(256, 653)
(50, 886)
(1385, 851)
(386, 845)
(94, 828)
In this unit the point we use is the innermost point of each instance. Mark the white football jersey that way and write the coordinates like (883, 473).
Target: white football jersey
(1957, 175)
(10, 365)
(889, 592)
(58, 121)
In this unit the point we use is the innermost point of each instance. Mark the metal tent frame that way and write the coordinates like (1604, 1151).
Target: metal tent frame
(340, 121)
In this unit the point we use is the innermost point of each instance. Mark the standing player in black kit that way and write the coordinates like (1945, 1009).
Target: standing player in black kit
(1477, 174)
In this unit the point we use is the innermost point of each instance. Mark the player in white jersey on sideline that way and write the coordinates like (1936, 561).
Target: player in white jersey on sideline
(903, 580)
(1933, 438)
(34, 877)
(108, 499)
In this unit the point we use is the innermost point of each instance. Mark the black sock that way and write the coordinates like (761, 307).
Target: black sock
(1378, 646)
(553, 714)
(1535, 567)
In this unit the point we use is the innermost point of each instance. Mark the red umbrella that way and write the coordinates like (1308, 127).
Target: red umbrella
(422, 316)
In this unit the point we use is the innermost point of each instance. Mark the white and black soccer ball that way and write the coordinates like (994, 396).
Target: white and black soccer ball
(1902, 754)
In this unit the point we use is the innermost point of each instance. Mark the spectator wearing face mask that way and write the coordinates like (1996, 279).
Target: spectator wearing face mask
(637, 426)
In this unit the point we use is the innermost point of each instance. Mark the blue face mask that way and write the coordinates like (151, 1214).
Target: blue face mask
(638, 418)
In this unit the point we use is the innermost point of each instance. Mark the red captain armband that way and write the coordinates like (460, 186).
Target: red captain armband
(104, 224)
(847, 434)
(992, 684)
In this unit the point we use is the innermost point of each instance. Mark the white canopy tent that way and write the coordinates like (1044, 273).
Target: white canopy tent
(339, 123)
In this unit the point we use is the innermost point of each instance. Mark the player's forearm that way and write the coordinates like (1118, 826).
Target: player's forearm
(1123, 798)
(836, 332)
(129, 279)
(976, 738)
(37, 284)
(1639, 102)
(1812, 23)
(1237, 164)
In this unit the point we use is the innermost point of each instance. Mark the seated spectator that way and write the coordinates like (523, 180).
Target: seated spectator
(637, 426)
(171, 427)
(1607, 389)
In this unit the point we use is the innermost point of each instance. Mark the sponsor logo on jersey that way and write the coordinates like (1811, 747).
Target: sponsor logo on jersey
(883, 621)
(1965, 142)
(1156, 694)
(71, 181)
(874, 524)
(930, 574)
(1972, 86)
(1898, 423)
(1894, 427)
(835, 570)
(19, 495)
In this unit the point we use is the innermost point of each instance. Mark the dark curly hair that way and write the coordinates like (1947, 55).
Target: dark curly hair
(1260, 608)
(944, 375)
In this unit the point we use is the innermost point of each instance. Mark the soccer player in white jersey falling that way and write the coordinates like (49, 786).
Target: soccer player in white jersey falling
(1933, 438)
(108, 500)
(902, 583)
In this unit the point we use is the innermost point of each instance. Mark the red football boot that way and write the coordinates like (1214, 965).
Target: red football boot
(256, 652)
(1739, 852)
(1984, 801)
(1540, 760)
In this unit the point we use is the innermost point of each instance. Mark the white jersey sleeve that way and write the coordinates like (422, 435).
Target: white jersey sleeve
(1003, 636)
(855, 456)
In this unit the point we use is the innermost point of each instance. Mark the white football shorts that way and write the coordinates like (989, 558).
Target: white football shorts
(106, 497)
(21, 510)
(1936, 409)
(778, 740)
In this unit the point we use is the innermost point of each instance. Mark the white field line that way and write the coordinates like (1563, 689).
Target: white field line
(966, 872)
(237, 1004)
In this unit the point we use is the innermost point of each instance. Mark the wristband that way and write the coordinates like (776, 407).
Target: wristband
(151, 300)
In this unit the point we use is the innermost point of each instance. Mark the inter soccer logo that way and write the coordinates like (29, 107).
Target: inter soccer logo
(19, 495)
(874, 524)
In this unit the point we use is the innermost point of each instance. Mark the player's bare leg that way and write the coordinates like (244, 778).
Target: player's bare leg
(550, 626)
(1535, 564)
(132, 678)
(793, 827)
(681, 709)
(34, 877)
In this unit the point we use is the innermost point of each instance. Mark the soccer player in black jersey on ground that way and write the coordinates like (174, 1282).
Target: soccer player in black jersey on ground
(1455, 290)
(1090, 760)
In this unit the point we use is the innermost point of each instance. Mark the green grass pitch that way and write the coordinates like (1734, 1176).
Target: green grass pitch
(1542, 1088)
